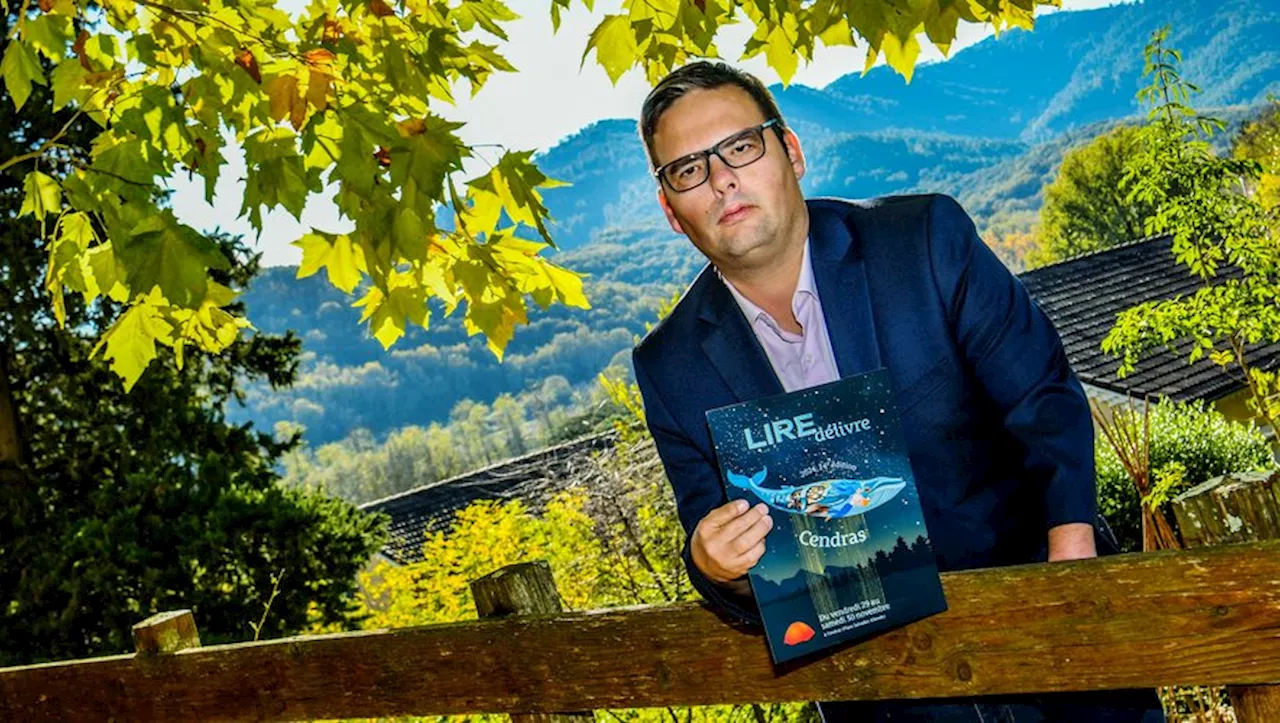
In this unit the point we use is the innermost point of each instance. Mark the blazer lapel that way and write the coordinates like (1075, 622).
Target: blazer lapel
(840, 275)
(732, 347)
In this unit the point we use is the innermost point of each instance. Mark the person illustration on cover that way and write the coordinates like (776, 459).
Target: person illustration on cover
(815, 495)
(800, 292)
(797, 499)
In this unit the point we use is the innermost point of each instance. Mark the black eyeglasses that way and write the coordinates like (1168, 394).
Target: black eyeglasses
(740, 149)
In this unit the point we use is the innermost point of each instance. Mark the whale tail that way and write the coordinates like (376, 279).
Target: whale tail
(750, 484)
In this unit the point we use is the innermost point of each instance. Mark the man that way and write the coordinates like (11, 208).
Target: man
(801, 293)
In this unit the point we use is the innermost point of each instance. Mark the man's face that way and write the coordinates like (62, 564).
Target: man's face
(740, 218)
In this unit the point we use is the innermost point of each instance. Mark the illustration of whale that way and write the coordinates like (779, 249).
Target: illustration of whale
(828, 499)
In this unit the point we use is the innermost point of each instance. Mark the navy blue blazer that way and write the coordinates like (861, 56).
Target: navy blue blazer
(997, 425)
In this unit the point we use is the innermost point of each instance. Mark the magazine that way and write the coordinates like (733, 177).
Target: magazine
(849, 555)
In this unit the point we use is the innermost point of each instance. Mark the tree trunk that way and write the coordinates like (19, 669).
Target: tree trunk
(11, 453)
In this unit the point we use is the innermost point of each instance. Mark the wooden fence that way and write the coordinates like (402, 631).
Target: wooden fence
(1204, 616)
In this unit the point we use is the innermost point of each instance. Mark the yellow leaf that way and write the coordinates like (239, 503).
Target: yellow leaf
(568, 286)
(370, 302)
(781, 51)
(75, 234)
(433, 278)
(411, 127)
(484, 212)
(387, 312)
(508, 244)
(131, 341)
(899, 55)
(838, 34)
(870, 62)
(343, 259)
(318, 89)
(286, 101)
(102, 274)
(43, 195)
(615, 44)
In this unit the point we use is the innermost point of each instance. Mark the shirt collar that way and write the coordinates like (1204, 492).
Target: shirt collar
(804, 285)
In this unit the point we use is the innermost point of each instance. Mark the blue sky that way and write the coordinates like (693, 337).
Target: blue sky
(554, 99)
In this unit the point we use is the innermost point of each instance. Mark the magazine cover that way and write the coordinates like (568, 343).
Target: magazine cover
(849, 555)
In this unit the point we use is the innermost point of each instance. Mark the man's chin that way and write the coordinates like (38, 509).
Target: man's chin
(744, 251)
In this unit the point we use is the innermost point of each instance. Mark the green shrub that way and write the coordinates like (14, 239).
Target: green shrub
(1192, 434)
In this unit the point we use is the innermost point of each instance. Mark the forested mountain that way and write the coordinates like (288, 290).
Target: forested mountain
(988, 105)
(1075, 69)
(347, 381)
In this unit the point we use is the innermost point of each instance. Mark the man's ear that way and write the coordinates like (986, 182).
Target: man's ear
(792, 143)
(666, 210)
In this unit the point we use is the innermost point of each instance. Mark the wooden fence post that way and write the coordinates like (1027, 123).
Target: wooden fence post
(525, 588)
(1236, 508)
(166, 633)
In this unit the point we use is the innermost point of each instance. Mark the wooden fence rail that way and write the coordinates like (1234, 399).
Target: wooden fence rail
(1203, 616)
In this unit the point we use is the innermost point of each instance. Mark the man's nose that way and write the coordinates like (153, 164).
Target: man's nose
(723, 177)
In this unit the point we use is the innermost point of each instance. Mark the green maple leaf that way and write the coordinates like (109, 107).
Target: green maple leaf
(132, 159)
(322, 141)
(356, 166)
(276, 175)
(68, 85)
(497, 320)
(427, 155)
(409, 234)
(49, 34)
(175, 257)
(20, 68)
(485, 13)
(941, 28)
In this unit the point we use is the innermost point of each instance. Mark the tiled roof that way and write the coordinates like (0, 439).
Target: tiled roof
(534, 479)
(1084, 295)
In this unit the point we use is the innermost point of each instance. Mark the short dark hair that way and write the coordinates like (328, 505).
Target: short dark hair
(705, 75)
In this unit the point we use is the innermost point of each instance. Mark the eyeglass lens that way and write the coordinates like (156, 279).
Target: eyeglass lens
(737, 151)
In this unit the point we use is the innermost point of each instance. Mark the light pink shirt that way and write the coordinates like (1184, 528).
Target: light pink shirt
(799, 360)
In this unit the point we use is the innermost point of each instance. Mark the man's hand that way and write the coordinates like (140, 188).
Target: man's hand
(729, 540)
(1072, 541)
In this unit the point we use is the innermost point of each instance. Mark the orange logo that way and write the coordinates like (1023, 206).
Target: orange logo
(797, 633)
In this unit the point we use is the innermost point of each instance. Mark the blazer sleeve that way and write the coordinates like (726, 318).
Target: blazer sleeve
(697, 488)
(1015, 353)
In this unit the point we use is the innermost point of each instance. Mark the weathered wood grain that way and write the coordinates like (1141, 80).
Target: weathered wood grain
(1243, 507)
(166, 633)
(524, 589)
(1236, 508)
(1206, 616)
